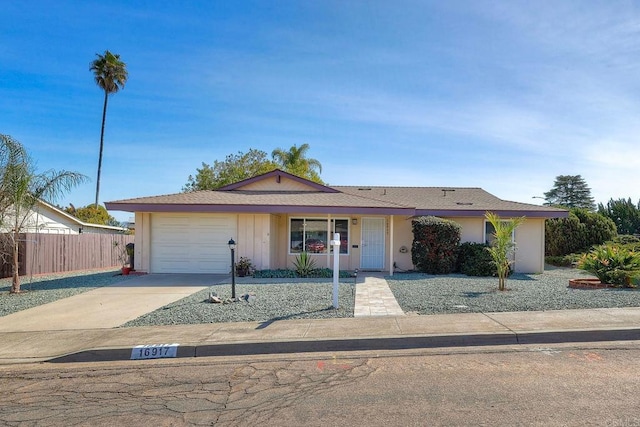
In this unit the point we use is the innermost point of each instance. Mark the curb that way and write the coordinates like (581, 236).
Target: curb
(363, 344)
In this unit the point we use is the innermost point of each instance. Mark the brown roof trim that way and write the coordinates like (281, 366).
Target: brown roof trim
(502, 213)
(276, 173)
(203, 208)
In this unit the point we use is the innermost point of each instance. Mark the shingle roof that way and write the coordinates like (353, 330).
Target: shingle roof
(444, 201)
(260, 201)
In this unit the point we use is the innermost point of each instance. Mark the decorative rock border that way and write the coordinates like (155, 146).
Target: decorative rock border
(588, 284)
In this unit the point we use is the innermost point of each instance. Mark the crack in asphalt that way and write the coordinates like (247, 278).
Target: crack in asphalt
(205, 394)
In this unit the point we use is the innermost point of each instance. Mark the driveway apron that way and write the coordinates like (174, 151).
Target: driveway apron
(110, 306)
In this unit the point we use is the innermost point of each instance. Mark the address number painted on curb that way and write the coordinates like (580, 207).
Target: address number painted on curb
(154, 351)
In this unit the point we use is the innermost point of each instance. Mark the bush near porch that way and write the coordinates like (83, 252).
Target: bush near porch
(435, 244)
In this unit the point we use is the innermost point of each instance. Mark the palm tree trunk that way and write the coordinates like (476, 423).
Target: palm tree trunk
(104, 118)
(15, 282)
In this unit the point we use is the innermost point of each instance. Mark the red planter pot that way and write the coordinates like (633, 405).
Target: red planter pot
(587, 284)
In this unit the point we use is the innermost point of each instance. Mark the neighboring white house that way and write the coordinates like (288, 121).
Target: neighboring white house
(275, 216)
(48, 219)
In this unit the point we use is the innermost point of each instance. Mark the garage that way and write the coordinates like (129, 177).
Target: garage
(191, 243)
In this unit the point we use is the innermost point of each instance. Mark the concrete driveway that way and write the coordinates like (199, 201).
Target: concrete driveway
(110, 306)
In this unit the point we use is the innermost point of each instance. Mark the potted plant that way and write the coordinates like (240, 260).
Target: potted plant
(124, 256)
(244, 267)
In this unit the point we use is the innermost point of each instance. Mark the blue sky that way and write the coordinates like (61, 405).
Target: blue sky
(503, 95)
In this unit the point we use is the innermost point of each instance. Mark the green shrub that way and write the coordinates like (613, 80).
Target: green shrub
(280, 273)
(631, 243)
(598, 228)
(435, 245)
(327, 273)
(475, 260)
(291, 274)
(577, 233)
(611, 264)
(626, 239)
(563, 260)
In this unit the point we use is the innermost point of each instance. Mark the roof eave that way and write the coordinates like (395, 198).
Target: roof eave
(277, 173)
(209, 208)
(499, 212)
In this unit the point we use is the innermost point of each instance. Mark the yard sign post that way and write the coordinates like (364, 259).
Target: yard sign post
(336, 267)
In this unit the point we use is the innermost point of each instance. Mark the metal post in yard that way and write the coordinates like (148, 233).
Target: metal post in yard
(232, 246)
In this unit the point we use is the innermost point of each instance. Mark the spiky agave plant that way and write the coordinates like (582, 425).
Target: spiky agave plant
(304, 264)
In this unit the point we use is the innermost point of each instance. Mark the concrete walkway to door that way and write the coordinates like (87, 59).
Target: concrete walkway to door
(109, 306)
(374, 298)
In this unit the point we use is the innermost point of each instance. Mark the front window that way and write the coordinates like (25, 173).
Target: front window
(314, 235)
(490, 233)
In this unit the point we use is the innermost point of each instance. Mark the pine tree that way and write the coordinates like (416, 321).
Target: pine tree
(570, 191)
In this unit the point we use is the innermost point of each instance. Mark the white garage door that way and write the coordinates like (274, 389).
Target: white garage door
(191, 243)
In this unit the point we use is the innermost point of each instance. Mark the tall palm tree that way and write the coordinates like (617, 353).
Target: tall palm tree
(295, 161)
(20, 190)
(110, 74)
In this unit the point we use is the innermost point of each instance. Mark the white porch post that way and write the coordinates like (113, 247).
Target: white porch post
(390, 245)
(329, 231)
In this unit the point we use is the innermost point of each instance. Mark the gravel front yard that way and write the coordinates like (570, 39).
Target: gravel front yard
(44, 289)
(425, 294)
(274, 301)
(281, 299)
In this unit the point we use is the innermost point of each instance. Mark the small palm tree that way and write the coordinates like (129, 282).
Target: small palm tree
(20, 190)
(295, 161)
(110, 74)
(502, 246)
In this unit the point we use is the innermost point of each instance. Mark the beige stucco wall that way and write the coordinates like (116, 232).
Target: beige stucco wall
(472, 229)
(403, 239)
(272, 184)
(274, 241)
(253, 239)
(529, 239)
(264, 238)
(142, 252)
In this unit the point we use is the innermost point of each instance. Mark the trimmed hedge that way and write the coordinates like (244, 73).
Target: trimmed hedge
(475, 260)
(435, 245)
(282, 273)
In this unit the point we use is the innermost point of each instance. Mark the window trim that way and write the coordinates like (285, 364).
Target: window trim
(327, 221)
(484, 232)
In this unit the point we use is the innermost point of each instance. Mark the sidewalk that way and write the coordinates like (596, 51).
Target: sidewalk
(301, 336)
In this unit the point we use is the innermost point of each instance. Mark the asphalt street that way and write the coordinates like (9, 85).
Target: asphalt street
(558, 385)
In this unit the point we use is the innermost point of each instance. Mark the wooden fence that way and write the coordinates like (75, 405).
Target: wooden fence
(58, 253)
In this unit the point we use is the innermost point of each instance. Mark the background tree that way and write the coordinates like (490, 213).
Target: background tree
(624, 213)
(570, 191)
(502, 245)
(295, 161)
(110, 74)
(20, 189)
(234, 168)
(92, 215)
